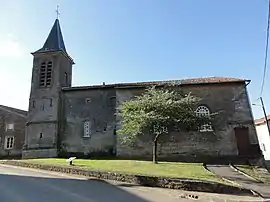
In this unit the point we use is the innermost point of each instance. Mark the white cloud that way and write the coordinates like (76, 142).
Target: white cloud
(10, 47)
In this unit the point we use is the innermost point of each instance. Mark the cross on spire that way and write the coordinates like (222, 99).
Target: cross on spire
(57, 12)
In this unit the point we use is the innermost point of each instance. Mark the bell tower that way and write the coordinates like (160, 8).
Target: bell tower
(52, 70)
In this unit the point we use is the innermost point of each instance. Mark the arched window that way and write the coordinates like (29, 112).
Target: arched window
(45, 74)
(204, 111)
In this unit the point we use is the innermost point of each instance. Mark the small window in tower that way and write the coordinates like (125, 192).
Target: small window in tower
(87, 100)
(43, 105)
(33, 104)
(40, 135)
(66, 78)
(51, 102)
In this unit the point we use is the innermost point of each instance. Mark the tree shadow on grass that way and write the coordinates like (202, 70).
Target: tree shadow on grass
(33, 189)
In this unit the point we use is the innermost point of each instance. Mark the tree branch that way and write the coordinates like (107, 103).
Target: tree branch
(156, 137)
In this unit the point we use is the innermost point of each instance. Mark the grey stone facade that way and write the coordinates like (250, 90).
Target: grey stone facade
(229, 99)
(96, 105)
(64, 120)
(12, 125)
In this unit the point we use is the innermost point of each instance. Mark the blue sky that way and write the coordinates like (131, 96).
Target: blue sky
(136, 40)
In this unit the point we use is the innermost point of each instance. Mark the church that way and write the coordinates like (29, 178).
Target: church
(63, 120)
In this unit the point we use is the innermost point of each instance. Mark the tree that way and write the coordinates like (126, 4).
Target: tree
(158, 112)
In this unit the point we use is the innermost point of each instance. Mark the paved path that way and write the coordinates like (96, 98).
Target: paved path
(30, 185)
(227, 172)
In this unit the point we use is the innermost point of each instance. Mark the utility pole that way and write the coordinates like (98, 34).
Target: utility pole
(265, 116)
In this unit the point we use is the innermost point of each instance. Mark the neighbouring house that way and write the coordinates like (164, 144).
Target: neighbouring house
(264, 137)
(64, 120)
(12, 131)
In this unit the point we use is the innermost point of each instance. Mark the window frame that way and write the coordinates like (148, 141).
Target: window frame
(51, 102)
(7, 142)
(88, 100)
(8, 128)
(203, 110)
(66, 78)
(87, 131)
(264, 147)
(45, 74)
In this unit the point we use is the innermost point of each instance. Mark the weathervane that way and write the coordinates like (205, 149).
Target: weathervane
(57, 12)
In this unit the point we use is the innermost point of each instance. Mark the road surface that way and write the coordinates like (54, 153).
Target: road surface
(29, 185)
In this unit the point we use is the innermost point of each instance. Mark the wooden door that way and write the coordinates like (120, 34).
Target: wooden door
(242, 140)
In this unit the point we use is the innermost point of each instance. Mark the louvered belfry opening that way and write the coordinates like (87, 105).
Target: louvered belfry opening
(46, 74)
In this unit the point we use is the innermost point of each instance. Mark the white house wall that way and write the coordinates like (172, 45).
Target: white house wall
(264, 140)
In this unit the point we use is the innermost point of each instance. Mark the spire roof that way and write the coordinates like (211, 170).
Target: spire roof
(54, 41)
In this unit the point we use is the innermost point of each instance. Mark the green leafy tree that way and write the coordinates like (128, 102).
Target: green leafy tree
(158, 112)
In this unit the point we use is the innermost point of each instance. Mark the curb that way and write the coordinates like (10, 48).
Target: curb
(255, 193)
(150, 181)
(225, 179)
(245, 174)
(248, 176)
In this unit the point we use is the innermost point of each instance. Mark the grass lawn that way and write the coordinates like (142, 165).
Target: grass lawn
(254, 172)
(165, 169)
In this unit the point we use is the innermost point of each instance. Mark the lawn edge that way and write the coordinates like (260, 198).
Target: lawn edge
(244, 173)
(223, 178)
(150, 181)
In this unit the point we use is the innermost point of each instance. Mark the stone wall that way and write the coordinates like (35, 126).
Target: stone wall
(229, 100)
(42, 129)
(18, 133)
(96, 106)
(99, 106)
(39, 153)
(43, 135)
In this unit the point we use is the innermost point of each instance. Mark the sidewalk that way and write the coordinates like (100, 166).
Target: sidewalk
(227, 172)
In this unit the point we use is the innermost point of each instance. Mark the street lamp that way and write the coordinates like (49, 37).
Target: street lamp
(264, 112)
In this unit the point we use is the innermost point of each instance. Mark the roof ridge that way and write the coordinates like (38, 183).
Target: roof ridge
(12, 110)
(187, 81)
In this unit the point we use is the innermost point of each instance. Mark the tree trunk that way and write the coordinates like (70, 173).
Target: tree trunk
(155, 155)
(155, 152)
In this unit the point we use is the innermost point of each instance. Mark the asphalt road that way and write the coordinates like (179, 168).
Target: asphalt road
(29, 185)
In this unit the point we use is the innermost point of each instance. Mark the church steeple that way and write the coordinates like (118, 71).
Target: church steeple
(51, 71)
(54, 41)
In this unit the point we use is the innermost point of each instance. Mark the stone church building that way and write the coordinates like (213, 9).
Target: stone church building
(63, 120)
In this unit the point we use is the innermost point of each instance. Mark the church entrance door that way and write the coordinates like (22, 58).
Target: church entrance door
(242, 140)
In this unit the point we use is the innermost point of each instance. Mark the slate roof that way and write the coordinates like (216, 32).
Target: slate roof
(19, 112)
(54, 41)
(190, 81)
